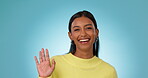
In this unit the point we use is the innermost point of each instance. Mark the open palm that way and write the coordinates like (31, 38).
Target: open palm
(44, 68)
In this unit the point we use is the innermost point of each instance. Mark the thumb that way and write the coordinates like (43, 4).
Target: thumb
(53, 64)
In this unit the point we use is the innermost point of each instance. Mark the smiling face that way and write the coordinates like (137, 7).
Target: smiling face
(83, 33)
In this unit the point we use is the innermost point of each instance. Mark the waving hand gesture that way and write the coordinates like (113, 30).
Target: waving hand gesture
(44, 68)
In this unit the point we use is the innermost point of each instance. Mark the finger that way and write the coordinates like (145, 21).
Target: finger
(47, 56)
(53, 64)
(43, 54)
(40, 54)
(36, 60)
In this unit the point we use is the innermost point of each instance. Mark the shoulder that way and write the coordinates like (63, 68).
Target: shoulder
(107, 66)
(108, 69)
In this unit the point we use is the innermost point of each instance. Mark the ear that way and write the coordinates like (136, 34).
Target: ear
(97, 33)
(70, 35)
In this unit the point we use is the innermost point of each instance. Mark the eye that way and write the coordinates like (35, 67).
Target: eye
(89, 28)
(76, 29)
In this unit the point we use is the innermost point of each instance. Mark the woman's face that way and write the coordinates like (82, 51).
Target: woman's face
(83, 33)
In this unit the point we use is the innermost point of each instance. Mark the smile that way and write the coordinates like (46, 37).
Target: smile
(84, 41)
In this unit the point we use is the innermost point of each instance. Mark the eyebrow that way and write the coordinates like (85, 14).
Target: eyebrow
(84, 25)
(76, 26)
(88, 25)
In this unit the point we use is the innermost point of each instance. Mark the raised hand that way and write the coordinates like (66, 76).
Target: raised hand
(44, 68)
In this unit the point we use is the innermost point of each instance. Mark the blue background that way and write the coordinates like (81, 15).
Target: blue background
(26, 26)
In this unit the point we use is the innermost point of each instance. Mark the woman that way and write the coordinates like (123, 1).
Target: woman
(82, 61)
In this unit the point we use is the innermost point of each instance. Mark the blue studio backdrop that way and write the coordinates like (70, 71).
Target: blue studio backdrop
(26, 26)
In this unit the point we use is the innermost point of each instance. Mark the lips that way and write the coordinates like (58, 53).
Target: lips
(84, 41)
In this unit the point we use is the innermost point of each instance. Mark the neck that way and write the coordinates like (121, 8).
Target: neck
(85, 54)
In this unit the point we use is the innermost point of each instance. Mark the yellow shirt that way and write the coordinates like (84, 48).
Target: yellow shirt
(70, 66)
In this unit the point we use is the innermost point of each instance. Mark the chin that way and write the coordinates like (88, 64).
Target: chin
(85, 47)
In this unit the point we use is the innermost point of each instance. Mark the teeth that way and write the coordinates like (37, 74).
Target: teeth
(84, 40)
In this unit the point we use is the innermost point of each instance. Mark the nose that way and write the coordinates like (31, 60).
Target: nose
(83, 33)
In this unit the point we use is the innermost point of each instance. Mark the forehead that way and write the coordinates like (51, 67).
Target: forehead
(81, 21)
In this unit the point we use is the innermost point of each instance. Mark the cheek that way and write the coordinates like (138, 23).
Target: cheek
(93, 35)
(75, 35)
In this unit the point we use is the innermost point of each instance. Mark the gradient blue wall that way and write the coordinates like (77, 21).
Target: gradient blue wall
(26, 26)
